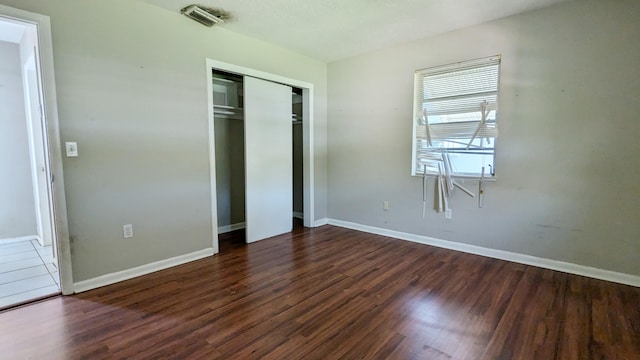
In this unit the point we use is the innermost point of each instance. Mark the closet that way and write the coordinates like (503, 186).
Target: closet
(258, 172)
(297, 152)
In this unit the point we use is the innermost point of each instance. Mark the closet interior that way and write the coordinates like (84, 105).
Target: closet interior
(298, 187)
(230, 159)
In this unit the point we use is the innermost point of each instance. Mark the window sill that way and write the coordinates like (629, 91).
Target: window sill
(464, 177)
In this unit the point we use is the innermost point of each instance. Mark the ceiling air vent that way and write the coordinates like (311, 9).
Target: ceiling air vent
(204, 15)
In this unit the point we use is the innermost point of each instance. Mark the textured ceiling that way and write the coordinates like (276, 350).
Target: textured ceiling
(329, 30)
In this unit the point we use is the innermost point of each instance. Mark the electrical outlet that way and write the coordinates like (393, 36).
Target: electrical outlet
(71, 148)
(447, 214)
(127, 231)
(385, 205)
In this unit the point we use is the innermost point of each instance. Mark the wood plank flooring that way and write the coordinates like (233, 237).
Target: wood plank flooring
(333, 293)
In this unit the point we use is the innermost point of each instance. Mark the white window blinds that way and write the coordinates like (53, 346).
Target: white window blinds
(455, 112)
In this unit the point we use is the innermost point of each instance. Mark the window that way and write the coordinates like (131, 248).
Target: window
(455, 118)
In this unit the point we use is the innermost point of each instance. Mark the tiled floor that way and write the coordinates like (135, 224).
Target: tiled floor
(27, 271)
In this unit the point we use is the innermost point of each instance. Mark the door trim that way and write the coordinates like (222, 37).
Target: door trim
(45, 45)
(307, 137)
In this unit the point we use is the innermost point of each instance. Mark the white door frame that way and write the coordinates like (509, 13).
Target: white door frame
(59, 204)
(307, 137)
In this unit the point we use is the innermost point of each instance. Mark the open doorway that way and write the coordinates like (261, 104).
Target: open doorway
(29, 261)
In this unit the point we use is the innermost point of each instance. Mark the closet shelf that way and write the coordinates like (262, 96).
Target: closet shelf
(227, 107)
(228, 112)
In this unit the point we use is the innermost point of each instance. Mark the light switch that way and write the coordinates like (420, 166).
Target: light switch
(72, 148)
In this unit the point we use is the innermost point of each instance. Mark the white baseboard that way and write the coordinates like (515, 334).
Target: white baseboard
(298, 215)
(115, 277)
(322, 222)
(18, 239)
(570, 268)
(229, 228)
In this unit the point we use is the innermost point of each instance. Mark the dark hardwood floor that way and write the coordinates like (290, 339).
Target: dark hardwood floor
(333, 293)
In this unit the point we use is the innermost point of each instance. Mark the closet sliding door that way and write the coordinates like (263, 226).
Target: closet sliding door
(268, 159)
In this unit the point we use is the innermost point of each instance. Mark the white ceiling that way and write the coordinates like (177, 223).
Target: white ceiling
(335, 29)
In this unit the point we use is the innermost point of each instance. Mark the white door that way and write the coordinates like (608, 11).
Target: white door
(268, 158)
(39, 153)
